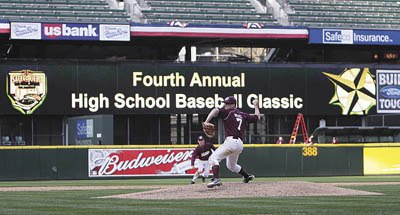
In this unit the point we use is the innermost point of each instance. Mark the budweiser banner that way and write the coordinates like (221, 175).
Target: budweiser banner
(139, 162)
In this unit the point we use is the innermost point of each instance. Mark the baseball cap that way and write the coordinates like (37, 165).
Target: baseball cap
(230, 100)
(201, 137)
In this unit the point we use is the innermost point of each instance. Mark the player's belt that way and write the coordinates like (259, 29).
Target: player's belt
(234, 137)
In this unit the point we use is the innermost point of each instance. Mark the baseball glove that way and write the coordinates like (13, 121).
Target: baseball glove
(209, 129)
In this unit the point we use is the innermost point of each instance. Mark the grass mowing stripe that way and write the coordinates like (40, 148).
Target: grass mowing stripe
(81, 202)
(180, 181)
(223, 207)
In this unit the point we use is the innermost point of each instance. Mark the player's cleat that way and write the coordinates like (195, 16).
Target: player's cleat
(214, 182)
(192, 182)
(250, 178)
(203, 179)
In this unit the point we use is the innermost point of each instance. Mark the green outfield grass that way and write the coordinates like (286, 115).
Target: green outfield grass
(82, 202)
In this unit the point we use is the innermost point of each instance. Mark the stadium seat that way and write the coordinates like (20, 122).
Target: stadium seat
(340, 13)
(205, 12)
(94, 11)
(19, 141)
(5, 140)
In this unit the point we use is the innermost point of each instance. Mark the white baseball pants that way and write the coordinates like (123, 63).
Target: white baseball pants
(230, 149)
(203, 166)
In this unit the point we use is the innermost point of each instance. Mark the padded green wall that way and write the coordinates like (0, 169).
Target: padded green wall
(72, 163)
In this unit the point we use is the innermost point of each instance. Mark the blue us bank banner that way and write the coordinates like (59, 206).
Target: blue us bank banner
(70, 31)
(388, 91)
(353, 36)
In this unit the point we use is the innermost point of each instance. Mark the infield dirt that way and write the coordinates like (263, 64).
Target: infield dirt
(239, 190)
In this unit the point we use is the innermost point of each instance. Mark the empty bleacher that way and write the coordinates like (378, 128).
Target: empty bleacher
(205, 12)
(379, 14)
(314, 13)
(93, 11)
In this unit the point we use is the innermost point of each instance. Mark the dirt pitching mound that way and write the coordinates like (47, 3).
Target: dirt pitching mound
(238, 190)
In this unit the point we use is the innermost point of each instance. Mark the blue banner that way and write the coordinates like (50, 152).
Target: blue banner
(69, 31)
(84, 128)
(353, 36)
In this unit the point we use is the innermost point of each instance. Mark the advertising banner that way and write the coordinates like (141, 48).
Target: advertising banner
(115, 32)
(354, 36)
(84, 128)
(388, 91)
(381, 161)
(140, 162)
(25, 31)
(70, 31)
(140, 88)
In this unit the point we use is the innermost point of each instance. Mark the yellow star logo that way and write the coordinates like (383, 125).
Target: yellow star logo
(354, 91)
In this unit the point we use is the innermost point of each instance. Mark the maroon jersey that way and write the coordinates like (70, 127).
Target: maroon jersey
(235, 121)
(202, 152)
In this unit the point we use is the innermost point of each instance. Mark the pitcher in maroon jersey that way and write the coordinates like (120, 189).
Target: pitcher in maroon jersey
(235, 124)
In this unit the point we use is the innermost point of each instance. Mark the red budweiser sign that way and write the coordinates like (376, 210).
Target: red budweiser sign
(139, 162)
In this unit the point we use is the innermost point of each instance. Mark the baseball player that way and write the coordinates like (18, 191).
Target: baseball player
(203, 151)
(235, 124)
(279, 140)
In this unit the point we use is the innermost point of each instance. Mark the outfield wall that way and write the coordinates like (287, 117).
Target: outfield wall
(267, 160)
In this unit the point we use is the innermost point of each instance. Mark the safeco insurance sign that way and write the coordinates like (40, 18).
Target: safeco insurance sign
(354, 36)
(388, 91)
